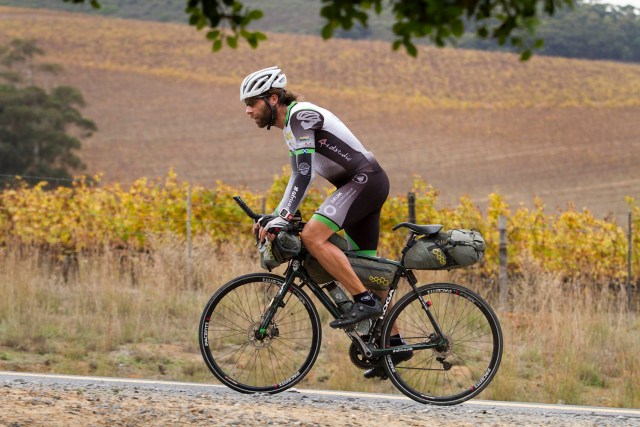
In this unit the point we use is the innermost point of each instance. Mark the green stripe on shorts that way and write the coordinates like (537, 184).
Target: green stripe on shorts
(332, 225)
(356, 248)
(367, 252)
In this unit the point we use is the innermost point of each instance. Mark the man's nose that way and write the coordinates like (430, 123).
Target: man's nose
(248, 110)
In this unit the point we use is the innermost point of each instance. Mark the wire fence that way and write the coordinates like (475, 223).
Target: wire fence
(7, 179)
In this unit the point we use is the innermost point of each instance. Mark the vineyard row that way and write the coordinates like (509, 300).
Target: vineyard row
(88, 216)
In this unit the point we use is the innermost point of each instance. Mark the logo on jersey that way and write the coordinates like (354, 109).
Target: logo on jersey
(308, 119)
(360, 178)
(304, 168)
(325, 144)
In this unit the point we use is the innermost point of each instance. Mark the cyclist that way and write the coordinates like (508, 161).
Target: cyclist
(320, 144)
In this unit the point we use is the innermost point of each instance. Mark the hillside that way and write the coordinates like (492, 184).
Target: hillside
(468, 122)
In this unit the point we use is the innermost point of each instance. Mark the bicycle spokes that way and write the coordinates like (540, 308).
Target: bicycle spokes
(462, 358)
(248, 353)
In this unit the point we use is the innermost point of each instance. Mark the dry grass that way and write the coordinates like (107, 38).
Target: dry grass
(137, 317)
(568, 343)
(562, 129)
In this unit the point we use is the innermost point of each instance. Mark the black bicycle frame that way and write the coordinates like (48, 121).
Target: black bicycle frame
(296, 271)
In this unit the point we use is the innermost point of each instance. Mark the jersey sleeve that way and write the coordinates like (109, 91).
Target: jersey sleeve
(301, 177)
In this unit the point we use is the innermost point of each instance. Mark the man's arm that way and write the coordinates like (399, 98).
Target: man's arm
(301, 177)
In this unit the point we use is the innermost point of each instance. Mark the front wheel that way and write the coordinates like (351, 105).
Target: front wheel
(251, 361)
(467, 355)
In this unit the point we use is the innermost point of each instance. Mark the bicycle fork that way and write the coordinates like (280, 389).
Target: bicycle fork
(276, 302)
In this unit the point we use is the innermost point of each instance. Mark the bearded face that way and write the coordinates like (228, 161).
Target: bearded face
(259, 111)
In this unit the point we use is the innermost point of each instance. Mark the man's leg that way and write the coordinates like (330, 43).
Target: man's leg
(316, 239)
(363, 236)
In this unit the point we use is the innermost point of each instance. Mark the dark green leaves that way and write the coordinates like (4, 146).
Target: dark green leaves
(344, 13)
(228, 20)
(442, 22)
(94, 3)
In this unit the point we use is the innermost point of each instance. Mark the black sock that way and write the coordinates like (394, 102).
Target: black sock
(365, 298)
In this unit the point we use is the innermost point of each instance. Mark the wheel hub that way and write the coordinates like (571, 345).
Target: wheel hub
(259, 340)
(443, 350)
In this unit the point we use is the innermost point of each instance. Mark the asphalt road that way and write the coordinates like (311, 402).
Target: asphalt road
(42, 399)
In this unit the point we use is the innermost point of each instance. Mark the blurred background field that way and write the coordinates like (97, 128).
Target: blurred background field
(467, 122)
(96, 278)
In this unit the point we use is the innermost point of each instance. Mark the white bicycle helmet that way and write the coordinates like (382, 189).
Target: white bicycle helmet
(261, 81)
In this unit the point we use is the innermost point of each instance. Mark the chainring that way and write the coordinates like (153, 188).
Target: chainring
(360, 361)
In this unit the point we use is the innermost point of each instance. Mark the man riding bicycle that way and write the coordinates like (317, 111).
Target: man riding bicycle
(320, 144)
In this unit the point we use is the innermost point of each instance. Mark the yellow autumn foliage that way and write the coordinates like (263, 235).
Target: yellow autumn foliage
(90, 216)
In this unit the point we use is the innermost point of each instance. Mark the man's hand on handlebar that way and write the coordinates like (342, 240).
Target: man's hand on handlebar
(268, 225)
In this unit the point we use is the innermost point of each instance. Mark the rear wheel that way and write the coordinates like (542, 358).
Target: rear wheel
(232, 349)
(467, 356)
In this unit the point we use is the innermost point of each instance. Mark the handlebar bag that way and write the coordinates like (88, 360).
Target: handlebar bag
(284, 247)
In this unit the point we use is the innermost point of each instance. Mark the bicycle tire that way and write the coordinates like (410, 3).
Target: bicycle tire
(469, 360)
(232, 352)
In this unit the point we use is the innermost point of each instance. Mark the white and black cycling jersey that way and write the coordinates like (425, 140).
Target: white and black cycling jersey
(320, 144)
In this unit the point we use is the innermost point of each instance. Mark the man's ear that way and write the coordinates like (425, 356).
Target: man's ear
(273, 99)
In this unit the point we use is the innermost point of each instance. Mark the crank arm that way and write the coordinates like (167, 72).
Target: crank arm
(363, 347)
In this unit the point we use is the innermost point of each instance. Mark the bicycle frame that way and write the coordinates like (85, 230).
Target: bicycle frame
(296, 270)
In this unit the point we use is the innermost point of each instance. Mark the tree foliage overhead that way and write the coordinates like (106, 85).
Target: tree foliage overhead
(39, 130)
(594, 31)
(440, 21)
(590, 31)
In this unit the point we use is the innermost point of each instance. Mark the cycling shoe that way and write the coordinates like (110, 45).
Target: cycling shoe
(357, 314)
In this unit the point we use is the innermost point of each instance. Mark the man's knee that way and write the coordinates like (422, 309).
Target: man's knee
(310, 239)
(315, 234)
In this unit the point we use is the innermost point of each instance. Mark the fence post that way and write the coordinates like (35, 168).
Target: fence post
(411, 199)
(502, 254)
(629, 258)
(189, 260)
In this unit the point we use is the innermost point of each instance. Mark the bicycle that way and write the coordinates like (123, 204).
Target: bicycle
(261, 333)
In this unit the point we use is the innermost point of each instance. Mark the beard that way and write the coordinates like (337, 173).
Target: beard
(263, 116)
(263, 120)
